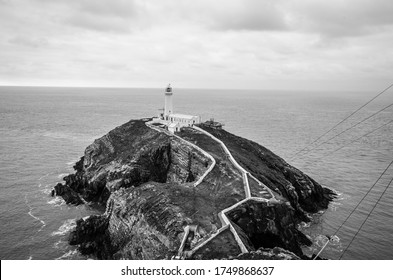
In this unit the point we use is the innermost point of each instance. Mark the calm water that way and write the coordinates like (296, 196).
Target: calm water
(45, 130)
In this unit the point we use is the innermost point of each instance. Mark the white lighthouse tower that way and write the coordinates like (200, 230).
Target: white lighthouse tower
(174, 122)
(168, 109)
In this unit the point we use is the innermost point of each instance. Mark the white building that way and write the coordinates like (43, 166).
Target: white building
(176, 121)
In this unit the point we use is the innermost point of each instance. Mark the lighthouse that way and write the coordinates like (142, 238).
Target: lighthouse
(174, 122)
(168, 109)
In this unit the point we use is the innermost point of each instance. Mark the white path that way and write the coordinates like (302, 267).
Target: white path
(206, 154)
(231, 158)
(222, 215)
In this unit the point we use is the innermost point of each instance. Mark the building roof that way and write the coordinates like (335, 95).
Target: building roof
(182, 116)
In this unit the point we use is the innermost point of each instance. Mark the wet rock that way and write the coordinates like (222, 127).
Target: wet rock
(68, 194)
(276, 253)
(269, 225)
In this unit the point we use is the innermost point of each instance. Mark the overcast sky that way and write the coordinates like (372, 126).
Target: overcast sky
(258, 44)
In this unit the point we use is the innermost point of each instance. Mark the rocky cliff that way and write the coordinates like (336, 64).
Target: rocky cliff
(146, 180)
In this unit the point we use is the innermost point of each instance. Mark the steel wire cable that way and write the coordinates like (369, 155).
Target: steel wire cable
(354, 112)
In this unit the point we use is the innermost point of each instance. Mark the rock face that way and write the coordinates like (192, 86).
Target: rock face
(145, 179)
(130, 155)
(276, 253)
(304, 194)
(276, 229)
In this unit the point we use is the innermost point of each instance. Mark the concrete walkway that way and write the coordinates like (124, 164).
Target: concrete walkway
(232, 159)
(206, 154)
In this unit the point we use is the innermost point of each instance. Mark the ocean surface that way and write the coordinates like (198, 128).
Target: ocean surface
(44, 131)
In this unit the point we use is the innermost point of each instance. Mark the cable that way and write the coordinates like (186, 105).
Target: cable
(369, 214)
(324, 246)
(368, 133)
(348, 129)
(362, 136)
(363, 197)
(357, 110)
(353, 210)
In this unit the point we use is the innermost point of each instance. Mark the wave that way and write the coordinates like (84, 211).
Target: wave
(30, 213)
(57, 201)
(42, 177)
(338, 193)
(67, 226)
(47, 190)
(68, 255)
(62, 175)
(70, 163)
(38, 219)
(321, 240)
(61, 244)
(335, 239)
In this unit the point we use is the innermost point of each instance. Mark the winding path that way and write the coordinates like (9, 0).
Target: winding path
(222, 215)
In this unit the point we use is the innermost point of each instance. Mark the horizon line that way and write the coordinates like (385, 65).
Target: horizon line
(188, 88)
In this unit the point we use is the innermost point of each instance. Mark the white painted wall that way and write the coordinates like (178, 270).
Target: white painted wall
(168, 109)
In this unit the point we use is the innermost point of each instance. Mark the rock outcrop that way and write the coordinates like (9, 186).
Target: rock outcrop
(304, 194)
(130, 155)
(276, 253)
(269, 225)
(145, 179)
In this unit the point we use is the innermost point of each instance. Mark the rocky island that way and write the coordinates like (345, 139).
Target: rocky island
(198, 193)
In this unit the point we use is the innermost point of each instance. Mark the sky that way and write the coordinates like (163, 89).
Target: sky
(235, 44)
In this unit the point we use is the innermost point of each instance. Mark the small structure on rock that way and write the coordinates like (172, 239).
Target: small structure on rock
(213, 124)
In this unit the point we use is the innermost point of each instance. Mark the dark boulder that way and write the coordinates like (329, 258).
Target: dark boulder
(69, 195)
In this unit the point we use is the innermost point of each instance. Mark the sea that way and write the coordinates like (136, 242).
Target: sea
(45, 130)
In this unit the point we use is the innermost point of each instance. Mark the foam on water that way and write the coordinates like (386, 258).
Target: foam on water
(60, 245)
(44, 176)
(320, 240)
(57, 201)
(30, 213)
(304, 225)
(67, 226)
(62, 175)
(72, 162)
(68, 255)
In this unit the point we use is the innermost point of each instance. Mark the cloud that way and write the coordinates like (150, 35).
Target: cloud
(252, 15)
(203, 43)
(97, 23)
(222, 15)
(102, 15)
(112, 8)
(337, 18)
(32, 42)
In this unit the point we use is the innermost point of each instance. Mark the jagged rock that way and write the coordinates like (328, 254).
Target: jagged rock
(304, 194)
(269, 225)
(145, 179)
(92, 237)
(130, 155)
(69, 195)
(276, 253)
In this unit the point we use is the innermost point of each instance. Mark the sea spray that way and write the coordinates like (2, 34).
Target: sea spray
(67, 226)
